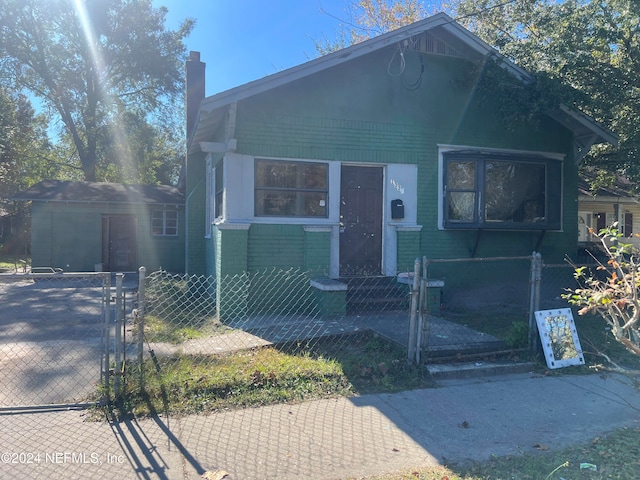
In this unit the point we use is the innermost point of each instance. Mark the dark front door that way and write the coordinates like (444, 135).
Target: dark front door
(361, 221)
(119, 235)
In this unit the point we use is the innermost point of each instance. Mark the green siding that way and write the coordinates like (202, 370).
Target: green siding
(195, 261)
(356, 112)
(231, 268)
(275, 246)
(408, 250)
(317, 253)
(69, 236)
(231, 251)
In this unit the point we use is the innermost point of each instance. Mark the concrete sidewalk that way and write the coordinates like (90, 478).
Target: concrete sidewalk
(461, 420)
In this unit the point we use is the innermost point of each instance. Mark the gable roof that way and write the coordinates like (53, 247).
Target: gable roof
(214, 108)
(620, 191)
(99, 192)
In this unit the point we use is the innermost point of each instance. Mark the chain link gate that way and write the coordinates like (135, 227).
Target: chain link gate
(54, 331)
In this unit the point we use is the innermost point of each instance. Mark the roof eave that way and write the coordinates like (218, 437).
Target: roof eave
(212, 109)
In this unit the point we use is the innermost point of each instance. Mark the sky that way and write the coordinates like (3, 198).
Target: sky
(244, 40)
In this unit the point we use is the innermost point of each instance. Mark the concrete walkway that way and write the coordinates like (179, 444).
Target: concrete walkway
(340, 438)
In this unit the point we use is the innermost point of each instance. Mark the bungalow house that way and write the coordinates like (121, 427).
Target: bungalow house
(602, 207)
(92, 226)
(360, 161)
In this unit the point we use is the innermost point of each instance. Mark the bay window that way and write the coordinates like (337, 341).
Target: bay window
(501, 191)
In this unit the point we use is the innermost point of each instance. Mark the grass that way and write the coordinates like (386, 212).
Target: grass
(615, 456)
(13, 264)
(170, 329)
(327, 367)
(367, 363)
(510, 324)
(261, 376)
(330, 367)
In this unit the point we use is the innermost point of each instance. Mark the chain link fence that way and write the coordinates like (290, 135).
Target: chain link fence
(52, 338)
(74, 338)
(279, 327)
(469, 308)
(186, 327)
(483, 307)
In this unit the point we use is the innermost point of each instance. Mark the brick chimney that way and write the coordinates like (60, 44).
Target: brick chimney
(195, 89)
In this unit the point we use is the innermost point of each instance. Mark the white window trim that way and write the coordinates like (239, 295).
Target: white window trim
(164, 223)
(209, 196)
(446, 148)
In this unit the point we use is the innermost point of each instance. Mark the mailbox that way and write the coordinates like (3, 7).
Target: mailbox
(397, 209)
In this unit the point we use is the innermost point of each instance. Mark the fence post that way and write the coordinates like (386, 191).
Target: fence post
(423, 321)
(413, 333)
(106, 290)
(140, 322)
(534, 299)
(117, 374)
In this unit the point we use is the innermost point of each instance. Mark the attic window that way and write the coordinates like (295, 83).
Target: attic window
(291, 189)
(501, 191)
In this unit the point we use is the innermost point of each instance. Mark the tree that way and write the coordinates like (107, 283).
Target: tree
(26, 157)
(25, 152)
(612, 290)
(591, 46)
(150, 153)
(92, 62)
(369, 18)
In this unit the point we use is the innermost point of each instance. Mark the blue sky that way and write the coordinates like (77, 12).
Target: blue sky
(244, 40)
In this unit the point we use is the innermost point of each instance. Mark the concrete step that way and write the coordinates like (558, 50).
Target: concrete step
(448, 371)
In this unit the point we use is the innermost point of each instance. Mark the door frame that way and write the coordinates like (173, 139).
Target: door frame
(106, 237)
(382, 226)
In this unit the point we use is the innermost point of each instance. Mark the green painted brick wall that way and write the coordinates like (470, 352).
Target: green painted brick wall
(195, 262)
(231, 251)
(408, 250)
(275, 246)
(317, 253)
(359, 113)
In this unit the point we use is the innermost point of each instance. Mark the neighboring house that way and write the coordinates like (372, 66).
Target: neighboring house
(601, 208)
(360, 161)
(87, 226)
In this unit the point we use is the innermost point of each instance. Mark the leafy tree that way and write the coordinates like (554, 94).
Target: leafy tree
(369, 18)
(92, 63)
(148, 154)
(26, 157)
(612, 290)
(588, 45)
(25, 153)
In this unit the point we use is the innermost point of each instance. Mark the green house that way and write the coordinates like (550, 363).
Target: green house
(361, 161)
(92, 226)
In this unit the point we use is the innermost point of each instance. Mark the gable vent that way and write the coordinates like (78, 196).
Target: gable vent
(428, 43)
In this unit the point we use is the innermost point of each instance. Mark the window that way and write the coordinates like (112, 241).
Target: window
(214, 193)
(501, 191)
(291, 189)
(628, 224)
(601, 221)
(164, 223)
(218, 189)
